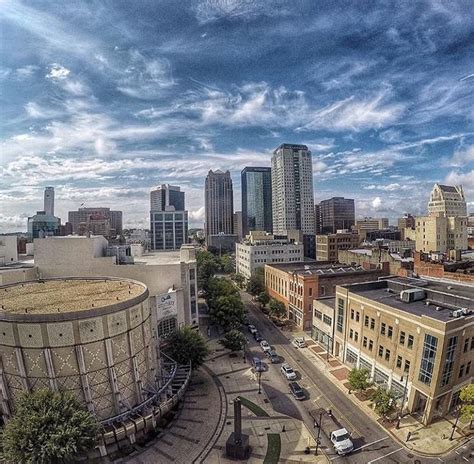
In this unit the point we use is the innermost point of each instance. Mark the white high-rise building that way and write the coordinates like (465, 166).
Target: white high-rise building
(292, 189)
(49, 200)
(448, 200)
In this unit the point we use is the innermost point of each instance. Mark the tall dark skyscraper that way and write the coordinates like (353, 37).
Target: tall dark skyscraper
(256, 199)
(335, 214)
(219, 203)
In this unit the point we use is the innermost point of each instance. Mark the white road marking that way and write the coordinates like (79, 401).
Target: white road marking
(439, 459)
(385, 455)
(369, 444)
(464, 457)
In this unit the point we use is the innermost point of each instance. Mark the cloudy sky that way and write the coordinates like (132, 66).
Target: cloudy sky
(105, 99)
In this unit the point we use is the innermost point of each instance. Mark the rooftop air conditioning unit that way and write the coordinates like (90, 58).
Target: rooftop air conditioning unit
(412, 294)
(458, 313)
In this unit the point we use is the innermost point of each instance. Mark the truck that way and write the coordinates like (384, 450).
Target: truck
(341, 440)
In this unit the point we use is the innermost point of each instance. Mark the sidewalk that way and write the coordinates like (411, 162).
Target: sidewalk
(262, 424)
(431, 440)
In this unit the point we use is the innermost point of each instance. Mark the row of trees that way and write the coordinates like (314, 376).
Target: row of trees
(209, 264)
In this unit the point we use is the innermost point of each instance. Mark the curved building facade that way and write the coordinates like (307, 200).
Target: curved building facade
(90, 336)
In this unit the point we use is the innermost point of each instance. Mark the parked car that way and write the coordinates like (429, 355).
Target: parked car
(274, 358)
(288, 372)
(299, 342)
(252, 329)
(297, 391)
(258, 336)
(257, 364)
(265, 346)
(341, 440)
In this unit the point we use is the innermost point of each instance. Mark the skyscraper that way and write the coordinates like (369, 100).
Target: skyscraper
(256, 199)
(335, 214)
(49, 201)
(448, 200)
(292, 189)
(168, 218)
(219, 204)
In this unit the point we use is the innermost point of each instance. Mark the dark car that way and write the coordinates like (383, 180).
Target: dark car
(258, 336)
(257, 364)
(297, 391)
(274, 358)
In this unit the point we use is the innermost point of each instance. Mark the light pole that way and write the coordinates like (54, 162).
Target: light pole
(455, 424)
(320, 425)
(259, 375)
(403, 402)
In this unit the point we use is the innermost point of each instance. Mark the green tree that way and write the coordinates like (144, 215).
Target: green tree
(467, 402)
(227, 264)
(384, 401)
(48, 427)
(239, 279)
(186, 345)
(277, 308)
(227, 311)
(207, 266)
(256, 283)
(234, 340)
(359, 379)
(263, 298)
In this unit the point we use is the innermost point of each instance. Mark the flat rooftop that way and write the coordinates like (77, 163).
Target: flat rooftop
(315, 268)
(447, 296)
(66, 295)
(159, 257)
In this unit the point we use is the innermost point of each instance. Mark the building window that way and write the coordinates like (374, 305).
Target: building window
(310, 291)
(449, 361)
(383, 328)
(352, 314)
(356, 336)
(402, 338)
(327, 320)
(427, 359)
(372, 323)
(166, 327)
(390, 331)
(318, 314)
(466, 345)
(357, 316)
(340, 314)
(399, 362)
(371, 345)
(192, 274)
(366, 321)
(410, 341)
(407, 366)
(380, 351)
(387, 355)
(468, 367)
(351, 333)
(364, 342)
(461, 371)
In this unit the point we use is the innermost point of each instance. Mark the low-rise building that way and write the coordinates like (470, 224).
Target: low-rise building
(442, 267)
(259, 249)
(8, 249)
(170, 275)
(362, 226)
(415, 336)
(327, 246)
(298, 284)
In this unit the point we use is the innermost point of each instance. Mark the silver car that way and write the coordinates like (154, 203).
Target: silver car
(288, 372)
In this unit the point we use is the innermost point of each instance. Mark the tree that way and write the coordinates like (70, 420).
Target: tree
(234, 340)
(186, 345)
(239, 279)
(227, 264)
(277, 308)
(227, 311)
(256, 283)
(263, 298)
(359, 379)
(207, 266)
(48, 427)
(384, 401)
(467, 402)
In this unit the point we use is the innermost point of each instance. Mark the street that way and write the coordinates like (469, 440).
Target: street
(371, 442)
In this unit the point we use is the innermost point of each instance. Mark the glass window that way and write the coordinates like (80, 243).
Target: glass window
(387, 355)
(372, 323)
(318, 314)
(351, 333)
(357, 316)
(410, 341)
(383, 328)
(168, 217)
(352, 314)
(449, 361)
(402, 338)
(356, 336)
(407, 366)
(364, 342)
(461, 371)
(380, 350)
(371, 345)
(327, 320)
(466, 345)
(366, 321)
(399, 362)
(340, 314)
(428, 359)
(468, 367)
(390, 331)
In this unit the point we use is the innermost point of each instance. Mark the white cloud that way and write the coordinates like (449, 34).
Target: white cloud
(197, 216)
(466, 179)
(57, 72)
(463, 156)
(387, 188)
(26, 71)
(376, 203)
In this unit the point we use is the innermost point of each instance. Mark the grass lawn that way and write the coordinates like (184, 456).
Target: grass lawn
(273, 449)
(255, 408)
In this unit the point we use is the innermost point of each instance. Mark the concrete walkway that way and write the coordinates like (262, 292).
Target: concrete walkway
(431, 440)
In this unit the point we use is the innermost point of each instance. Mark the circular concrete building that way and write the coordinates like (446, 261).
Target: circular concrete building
(90, 336)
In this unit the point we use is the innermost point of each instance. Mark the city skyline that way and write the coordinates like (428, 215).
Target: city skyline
(381, 95)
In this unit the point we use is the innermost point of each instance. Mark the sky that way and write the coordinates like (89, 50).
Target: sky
(106, 99)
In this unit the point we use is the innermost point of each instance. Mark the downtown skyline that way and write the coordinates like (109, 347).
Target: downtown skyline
(106, 103)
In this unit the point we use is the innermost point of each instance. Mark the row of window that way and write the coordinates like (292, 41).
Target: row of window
(326, 319)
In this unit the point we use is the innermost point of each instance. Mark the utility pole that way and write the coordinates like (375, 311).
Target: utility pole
(259, 382)
(403, 402)
(320, 425)
(455, 424)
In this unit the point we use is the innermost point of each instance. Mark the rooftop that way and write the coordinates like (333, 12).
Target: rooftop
(66, 295)
(315, 268)
(442, 297)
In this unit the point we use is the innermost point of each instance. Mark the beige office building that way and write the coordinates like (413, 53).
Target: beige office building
(328, 246)
(416, 338)
(448, 200)
(440, 233)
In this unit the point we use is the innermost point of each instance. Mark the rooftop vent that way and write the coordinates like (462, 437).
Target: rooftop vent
(412, 294)
(438, 308)
(458, 313)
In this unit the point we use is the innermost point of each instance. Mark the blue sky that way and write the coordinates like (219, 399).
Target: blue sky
(106, 99)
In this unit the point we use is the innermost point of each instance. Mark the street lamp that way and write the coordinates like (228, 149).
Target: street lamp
(259, 375)
(455, 424)
(320, 425)
(403, 401)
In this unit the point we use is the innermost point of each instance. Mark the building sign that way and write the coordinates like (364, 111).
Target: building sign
(166, 305)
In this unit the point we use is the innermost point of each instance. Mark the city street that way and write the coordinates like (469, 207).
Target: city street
(371, 442)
